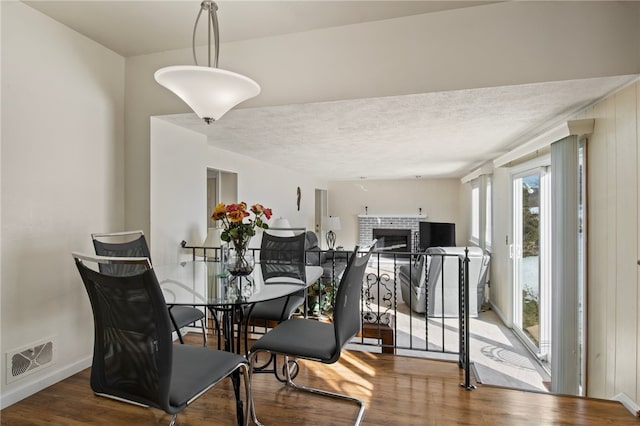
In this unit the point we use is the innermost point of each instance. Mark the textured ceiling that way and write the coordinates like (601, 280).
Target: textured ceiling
(442, 134)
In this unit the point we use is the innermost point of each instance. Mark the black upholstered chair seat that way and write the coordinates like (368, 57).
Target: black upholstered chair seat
(184, 315)
(320, 341)
(275, 310)
(191, 373)
(280, 257)
(134, 358)
(292, 337)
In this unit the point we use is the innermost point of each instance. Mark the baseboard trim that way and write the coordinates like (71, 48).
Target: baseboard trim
(39, 383)
(628, 403)
(499, 313)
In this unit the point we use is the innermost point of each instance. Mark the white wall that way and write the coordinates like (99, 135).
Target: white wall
(501, 294)
(179, 162)
(393, 57)
(2, 404)
(62, 178)
(438, 198)
(613, 232)
(614, 246)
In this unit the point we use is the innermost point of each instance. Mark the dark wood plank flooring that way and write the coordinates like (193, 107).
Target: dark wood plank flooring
(396, 390)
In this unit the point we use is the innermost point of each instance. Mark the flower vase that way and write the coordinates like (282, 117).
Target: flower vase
(240, 261)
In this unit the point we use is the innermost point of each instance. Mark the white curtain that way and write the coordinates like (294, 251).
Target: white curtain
(565, 350)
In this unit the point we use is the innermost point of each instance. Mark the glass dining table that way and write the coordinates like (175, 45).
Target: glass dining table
(208, 284)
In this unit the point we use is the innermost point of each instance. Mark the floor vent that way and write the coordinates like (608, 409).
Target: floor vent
(25, 361)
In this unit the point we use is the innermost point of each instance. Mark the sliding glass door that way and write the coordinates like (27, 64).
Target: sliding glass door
(530, 255)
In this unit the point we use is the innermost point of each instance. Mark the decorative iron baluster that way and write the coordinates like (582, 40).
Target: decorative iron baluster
(381, 282)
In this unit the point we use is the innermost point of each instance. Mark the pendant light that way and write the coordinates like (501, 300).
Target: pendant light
(209, 91)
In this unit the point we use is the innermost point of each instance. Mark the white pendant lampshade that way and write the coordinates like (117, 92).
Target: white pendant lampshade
(209, 91)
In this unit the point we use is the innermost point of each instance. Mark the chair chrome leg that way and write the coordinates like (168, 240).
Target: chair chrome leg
(291, 365)
(251, 406)
(173, 420)
(249, 413)
(325, 393)
(289, 382)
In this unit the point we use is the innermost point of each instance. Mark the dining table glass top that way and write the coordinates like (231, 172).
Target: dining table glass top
(207, 283)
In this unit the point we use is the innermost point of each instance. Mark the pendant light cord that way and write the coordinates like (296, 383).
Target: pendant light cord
(211, 8)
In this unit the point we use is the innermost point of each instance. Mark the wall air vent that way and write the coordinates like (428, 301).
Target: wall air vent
(24, 361)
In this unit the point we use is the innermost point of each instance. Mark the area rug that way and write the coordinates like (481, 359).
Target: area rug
(500, 358)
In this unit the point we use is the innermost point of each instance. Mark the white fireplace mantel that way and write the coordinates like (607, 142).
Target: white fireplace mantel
(412, 216)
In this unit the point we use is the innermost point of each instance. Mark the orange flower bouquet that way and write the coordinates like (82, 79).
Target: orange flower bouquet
(238, 233)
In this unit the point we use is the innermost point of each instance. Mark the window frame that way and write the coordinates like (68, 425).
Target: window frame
(476, 209)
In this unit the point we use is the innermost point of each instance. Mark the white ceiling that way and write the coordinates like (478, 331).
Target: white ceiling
(431, 135)
(146, 26)
(440, 134)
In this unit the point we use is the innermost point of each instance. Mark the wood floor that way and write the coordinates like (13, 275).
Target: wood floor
(396, 391)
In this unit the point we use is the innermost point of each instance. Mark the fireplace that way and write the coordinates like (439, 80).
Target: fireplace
(392, 240)
(406, 224)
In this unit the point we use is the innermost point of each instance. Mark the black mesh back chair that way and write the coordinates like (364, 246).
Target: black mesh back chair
(134, 244)
(280, 257)
(134, 358)
(321, 341)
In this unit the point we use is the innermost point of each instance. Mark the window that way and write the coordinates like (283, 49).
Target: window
(487, 224)
(475, 212)
(481, 205)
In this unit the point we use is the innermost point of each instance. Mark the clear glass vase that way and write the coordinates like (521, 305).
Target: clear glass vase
(240, 261)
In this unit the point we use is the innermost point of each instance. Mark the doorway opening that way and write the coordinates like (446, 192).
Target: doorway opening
(222, 187)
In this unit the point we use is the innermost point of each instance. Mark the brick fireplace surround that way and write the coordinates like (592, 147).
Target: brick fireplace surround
(367, 223)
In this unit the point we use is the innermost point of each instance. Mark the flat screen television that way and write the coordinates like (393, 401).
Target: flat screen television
(437, 234)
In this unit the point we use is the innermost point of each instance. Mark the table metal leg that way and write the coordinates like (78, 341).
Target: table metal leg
(235, 378)
(228, 318)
